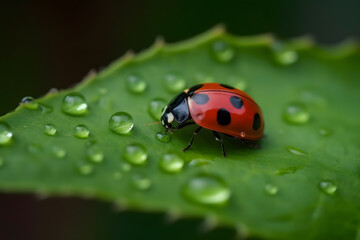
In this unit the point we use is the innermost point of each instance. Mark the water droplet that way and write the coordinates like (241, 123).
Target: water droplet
(126, 167)
(136, 84)
(288, 170)
(95, 154)
(207, 190)
(141, 182)
(117, 175)
(74, 104)
(237, 82)
(163, 137)
(271, 189)
(296, 151)
(156, 107)
(296, 114)
(2, 162)
(84, 168)
(327, 186)
(171, 163)
(174, 83)
(58, 152)
(222, 51)
(121, 123)
(52, 91)
(82, 131)
(325, 132)
(50, 130)
(45, 109)
(6, 135)
(199, 162)
(283, 55)
(29, 103)
(135, 154)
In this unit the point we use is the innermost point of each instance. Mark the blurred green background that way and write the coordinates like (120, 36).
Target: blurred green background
(53, 44)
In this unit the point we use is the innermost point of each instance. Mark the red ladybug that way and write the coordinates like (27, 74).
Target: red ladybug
(218, 107)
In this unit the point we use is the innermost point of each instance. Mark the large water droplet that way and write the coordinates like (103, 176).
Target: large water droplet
(84, 168)
(327, 186)
(50, 130)
(222, 51)
(58, 151)
(207, 190)
(29, 103)
(95, 154)
(6, 135)
(74, 104)
(135, 153)
(296, 114)
(121, 123)
(171, 163)
(174, 83)
(141, 182)
(156, 107)
(199, 162)
(82, 131)
(136, 84)
(271, 189)
(296, 151)
(163, 137)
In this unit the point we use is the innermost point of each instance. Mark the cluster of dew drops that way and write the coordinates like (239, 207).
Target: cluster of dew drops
(205, 189)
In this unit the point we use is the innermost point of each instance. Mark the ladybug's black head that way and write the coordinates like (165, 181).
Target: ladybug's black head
(176, 112)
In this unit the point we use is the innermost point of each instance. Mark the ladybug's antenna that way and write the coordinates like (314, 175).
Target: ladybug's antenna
(150, 123)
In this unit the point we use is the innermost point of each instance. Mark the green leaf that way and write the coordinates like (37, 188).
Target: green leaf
(303, 183)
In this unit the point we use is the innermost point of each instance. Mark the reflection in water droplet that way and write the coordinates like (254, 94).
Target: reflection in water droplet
(50, 130)
(171, 163)
(136, 84)
(163, 137)
(141, 182)
(222, 51)
(271, 189)
(174, 83)
(296, 151)
(156, 107)
(84, 168)
(328, 187)
(95, 154)
(6, 135)
(121, 123)
(29, 103)
(82, 131)
(207, 190)
(325, 132)
(74, 104)
(199, 162)
(58, 151)
(135, 154)
(288, 170)
(237, 82)
(296, 113)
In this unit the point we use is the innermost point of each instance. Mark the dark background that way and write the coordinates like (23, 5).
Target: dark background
(49, 44)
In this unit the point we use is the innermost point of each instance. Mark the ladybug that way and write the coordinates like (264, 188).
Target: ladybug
(217, 107)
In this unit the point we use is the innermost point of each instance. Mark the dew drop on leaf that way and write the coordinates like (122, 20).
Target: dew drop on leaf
(50, 130)
(141, 182)
(174, 83)
(206, 189)
(136, 84)
(288, 170)
(271, 189)
(126, 167)
(171, 163)
(58, 151)
(325, 132)
(284, 55)
(156, 107)
(45, 109)
(121, 123)
(237, 82)
(135, 154)
(296, 113)
(29, 103)
(296, 151)
(84, 168)
(328, 187)
(94, 154)
(6, 135)
(82, 131)
(74, 104)
(222, 51)
(163, 137)
(117, 175)
(199, 162)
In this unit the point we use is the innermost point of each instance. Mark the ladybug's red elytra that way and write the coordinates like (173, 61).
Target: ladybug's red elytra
(217, 107)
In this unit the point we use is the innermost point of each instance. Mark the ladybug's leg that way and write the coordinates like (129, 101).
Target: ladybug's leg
(192, 138)
(218, 138)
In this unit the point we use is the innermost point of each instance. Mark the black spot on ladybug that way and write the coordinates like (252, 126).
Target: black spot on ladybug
(200, 98)
(236, 102)
(194, 88)
(227, 86)
(223, 117)
(257, 122)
